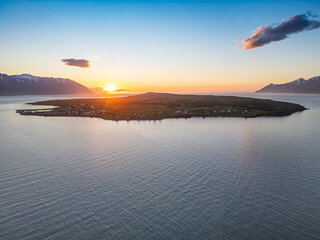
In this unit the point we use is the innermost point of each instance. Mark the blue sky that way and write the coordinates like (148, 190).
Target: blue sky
(156, 45)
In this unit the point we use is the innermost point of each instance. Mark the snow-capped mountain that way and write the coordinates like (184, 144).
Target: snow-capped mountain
(300, 85)
(26, 84)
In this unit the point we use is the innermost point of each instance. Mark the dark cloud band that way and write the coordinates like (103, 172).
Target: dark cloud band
(267, 34)
(120, 90)
(82, 63)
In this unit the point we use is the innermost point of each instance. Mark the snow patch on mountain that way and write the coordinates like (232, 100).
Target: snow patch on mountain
(300, 85)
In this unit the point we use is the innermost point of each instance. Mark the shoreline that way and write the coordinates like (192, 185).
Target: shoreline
(41, 113)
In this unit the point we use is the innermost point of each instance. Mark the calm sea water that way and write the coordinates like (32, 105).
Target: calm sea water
(212, 178)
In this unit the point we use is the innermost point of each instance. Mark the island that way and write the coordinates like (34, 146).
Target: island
(157, 106)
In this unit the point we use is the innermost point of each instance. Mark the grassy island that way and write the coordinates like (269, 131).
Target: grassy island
(157, 106)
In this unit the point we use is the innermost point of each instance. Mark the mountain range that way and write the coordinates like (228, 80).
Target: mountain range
(300, 85)
(26, 84)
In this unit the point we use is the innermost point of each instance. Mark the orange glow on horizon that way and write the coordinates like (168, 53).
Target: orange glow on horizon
(181, 89)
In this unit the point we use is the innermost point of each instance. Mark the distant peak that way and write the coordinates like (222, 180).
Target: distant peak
(299, 85)
(299, 80)
(315, 78)
(26, 76)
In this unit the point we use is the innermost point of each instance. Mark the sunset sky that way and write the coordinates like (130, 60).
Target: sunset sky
(164, 46)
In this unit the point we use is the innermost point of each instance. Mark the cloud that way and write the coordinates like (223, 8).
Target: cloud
(267, 34)
(120, 90)
(82, 63)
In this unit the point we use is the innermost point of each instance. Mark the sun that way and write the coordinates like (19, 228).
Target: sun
(110, 88)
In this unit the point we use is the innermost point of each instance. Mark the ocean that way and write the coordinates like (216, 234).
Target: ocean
(198, 178)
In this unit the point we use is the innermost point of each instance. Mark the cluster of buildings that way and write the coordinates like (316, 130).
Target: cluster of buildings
(88, 110)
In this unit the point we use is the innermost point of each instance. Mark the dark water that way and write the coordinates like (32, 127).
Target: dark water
(213, 178)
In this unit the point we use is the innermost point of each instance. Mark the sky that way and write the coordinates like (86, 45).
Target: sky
(161, 46)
